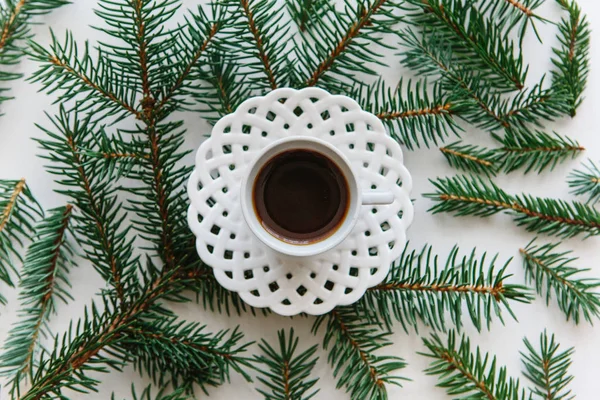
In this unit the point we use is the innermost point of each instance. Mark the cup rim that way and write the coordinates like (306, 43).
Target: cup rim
(300, 250)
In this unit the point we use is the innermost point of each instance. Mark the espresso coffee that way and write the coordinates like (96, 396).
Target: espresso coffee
(300, 196)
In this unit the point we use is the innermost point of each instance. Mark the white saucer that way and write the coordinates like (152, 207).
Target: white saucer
(262, 277)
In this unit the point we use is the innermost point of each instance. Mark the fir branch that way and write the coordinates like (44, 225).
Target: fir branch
(304, 12)
(226, 89)
(477, 41)
(412, 112)
(166, 348)
(96, 86)
(586, 182)
(351, 343)
(80, 350)
(260, 37)
(200, 34)
(553, 272)
(471, 158)
(419, 289)
(572, 58)
(547, 369)
(18, 211)
(16, 18)
(105, 244)
(468, 374)
(43, 280)
(284, 372)
(534, 150)
(473, 196)
(340, 45)
(521, 149)
(146, 394)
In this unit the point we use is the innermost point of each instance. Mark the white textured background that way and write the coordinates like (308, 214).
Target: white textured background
(19, 158)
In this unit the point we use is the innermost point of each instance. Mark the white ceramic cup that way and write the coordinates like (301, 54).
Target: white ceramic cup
(356, 197)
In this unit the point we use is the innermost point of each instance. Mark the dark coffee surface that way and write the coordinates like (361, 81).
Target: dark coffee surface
(300, 196)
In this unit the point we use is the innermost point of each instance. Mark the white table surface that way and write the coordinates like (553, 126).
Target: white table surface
(18, 158)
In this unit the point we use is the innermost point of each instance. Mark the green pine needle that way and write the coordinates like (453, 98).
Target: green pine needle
(352, 343)
(167, 349)
(464, 195)
(18, 211)
(43, 280)
(553, 272)
(284, 372)
(468, 374)
(305, 12)
(106, 244)
(146, 394)
(413, 115)
(534, 150)
(258, 34)
(345, 43)
(586, 182)
(419, 289)
(521, 149)
(476, 41)
(16, 19)
(548, 369)
(472, 158)
(572, 57)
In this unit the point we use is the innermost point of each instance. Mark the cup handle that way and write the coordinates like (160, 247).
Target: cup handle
(375, 198)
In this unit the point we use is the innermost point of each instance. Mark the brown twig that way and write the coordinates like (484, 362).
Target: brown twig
(12, 202)
(521, 7)
(342, 45)
(8, 25)
(446, 150)
(258, 40)
(543, 149)
(390, 115)
(124, 155)
(497, 290)
(519, 208)
(50, 287)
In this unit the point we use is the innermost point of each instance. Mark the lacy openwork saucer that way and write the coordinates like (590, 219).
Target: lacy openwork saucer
(262, 277)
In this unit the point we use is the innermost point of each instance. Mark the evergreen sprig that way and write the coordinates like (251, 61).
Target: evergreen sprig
(464, 195)
(106, 244)
(283, 371)
(548, 369)
(572, 57)
(472, 158)
(520, 149)
(258, 37)
(475, 40)
(586, 182)
(352, 343)
(18, 211)
(468, 374)
(413, 115)
(342, 44)
(16, 18)
(43, 281)
(553, 272)
(184, 353)
(418, 288)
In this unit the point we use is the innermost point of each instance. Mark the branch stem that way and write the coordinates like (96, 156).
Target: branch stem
(12, 202)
